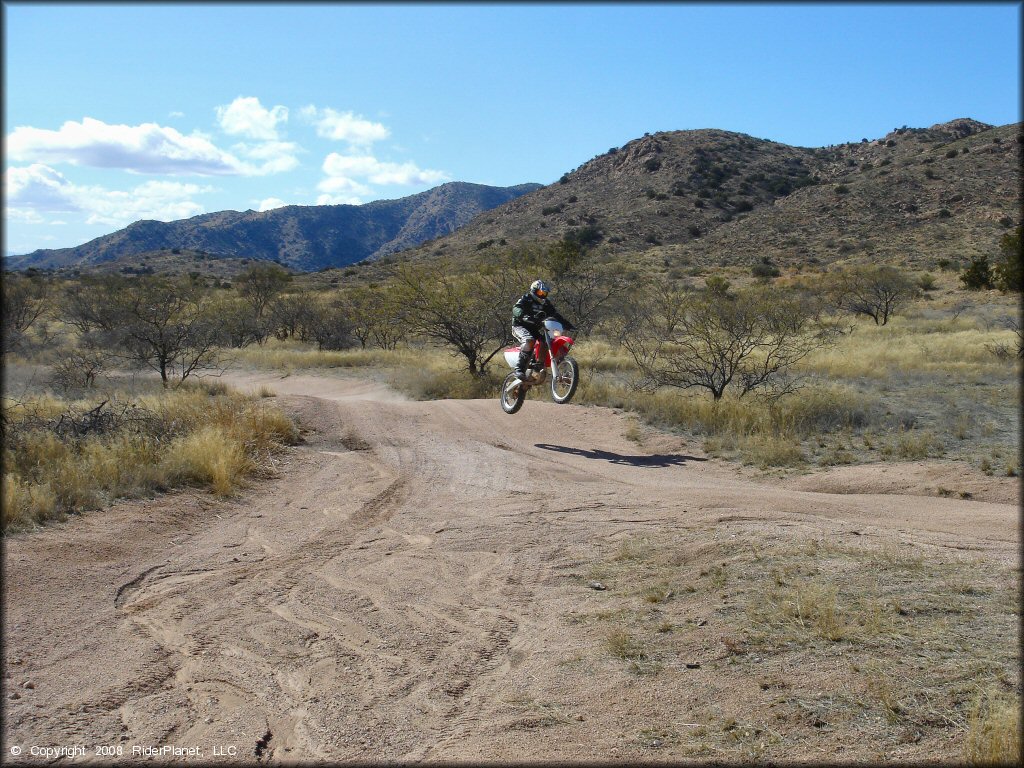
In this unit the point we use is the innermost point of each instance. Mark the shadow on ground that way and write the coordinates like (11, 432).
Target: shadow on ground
(654, 460)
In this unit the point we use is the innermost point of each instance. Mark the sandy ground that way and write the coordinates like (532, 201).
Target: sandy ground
(398, 591)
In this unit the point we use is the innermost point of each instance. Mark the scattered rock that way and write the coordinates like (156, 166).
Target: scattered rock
(28, 684)
(597, 585)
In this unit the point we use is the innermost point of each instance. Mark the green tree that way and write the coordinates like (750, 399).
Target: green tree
(156, 322)
(376, 317)
(1008, 273)
(978, 276)
(329, 323)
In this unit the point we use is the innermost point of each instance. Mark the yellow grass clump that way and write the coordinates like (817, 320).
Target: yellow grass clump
(291, 355)
(210, 457)
(909, 346)
(993, 730)
(153, 442)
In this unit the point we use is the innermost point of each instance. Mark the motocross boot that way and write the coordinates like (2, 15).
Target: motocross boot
(523, 366)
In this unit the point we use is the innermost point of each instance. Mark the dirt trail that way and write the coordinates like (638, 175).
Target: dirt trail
(398, 592)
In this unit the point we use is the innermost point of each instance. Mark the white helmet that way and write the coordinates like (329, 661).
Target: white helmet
(539, 290)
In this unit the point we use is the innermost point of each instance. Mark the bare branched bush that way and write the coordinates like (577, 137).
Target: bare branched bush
(261, 284)
(749, 340)
(877, 292)
(24, 303)
(469, 313)
(160, 323)
(79, 369)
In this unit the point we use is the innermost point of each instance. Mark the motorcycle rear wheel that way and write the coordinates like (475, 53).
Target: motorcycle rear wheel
(565, 380)
(512, 401)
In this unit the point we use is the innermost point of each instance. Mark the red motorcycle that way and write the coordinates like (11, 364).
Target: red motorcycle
(551, 354)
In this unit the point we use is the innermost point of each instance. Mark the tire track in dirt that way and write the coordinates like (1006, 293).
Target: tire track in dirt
(398, 592)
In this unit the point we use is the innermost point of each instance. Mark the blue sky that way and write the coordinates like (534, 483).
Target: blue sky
(120, 112)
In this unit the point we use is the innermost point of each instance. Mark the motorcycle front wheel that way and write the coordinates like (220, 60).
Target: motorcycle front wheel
(565, 380)
(511, 401)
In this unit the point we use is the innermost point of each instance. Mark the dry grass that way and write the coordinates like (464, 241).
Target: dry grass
(924, 386)
(201, 434)
(910, 345)
(291, 355)
(993, 730)
(919, 650)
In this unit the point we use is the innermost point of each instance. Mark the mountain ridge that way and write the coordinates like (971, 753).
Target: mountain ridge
(305, 238)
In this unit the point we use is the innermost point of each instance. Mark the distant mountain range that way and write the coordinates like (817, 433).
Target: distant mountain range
(678, 198)
(305, 238)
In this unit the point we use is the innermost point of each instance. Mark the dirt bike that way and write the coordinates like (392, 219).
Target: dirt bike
(551, 354)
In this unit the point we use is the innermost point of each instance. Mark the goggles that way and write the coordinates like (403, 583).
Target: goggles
(540, 294)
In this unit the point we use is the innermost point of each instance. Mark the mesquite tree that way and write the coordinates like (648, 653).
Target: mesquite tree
(875, 291)
(714, 340)
(156, 322)
(471, 313)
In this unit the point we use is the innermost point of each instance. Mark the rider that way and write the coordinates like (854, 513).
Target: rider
(528, 316)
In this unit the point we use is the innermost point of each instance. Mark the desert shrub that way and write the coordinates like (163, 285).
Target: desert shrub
(978, 276)
(877, 292)
(24, 304)
(585, 236)
(1008, 273)
(63, 457)
(765, 270)
(713, 340)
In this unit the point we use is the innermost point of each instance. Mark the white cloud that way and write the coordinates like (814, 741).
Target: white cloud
(39, 188)
(345, 126)
(344, 188)
(145, 148)
(351, 167)
(245, 116)
(176, 113)
(148, 148)
(25, 215)
(338, 200)
(271, 203)
(268, 157)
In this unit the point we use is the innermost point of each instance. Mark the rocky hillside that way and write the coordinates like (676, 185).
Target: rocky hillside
(301, 237)
(714, 197)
